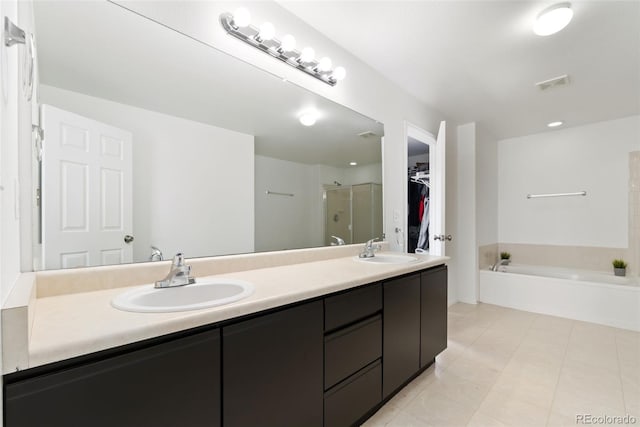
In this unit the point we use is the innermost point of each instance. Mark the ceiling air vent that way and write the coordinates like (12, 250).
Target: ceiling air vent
(554, 82)
(367, 134)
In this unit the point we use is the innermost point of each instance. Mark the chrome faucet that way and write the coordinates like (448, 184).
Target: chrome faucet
(179, 275)
(369, 249)
(499, 264)
(339, 241)
(156, 254)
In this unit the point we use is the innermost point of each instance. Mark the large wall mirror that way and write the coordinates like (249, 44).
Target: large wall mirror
(156, 143)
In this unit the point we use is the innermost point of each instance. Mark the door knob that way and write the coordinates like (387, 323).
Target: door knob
(128, 238)
(442, 237)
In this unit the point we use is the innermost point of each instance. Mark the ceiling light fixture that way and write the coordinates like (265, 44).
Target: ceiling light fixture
(308, 118)
(353, 164)
(553, 19)
(555, 124)
(239, 25)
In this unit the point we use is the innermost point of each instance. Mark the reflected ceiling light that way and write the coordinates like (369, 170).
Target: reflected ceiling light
(308, 118)
(264, 38)
(553, 19)
(555, 124)
(353, 164)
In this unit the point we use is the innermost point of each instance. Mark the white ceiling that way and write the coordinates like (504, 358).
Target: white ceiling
(479, 60)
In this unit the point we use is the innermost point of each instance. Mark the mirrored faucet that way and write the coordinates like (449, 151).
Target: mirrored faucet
(499, 264)
(369, 249)
(156, 254)
(339, 241)
(179, 275)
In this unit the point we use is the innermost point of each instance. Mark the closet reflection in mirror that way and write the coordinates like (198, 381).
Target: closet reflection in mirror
(168, 141)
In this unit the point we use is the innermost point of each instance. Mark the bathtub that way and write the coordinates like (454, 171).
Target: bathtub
(589, 296)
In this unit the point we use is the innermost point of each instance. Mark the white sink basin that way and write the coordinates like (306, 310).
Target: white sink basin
(388, 259)
(204, 294)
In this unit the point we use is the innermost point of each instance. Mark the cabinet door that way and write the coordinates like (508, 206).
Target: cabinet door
(401, 331)
(433, 319)
(170, 384)
(273, 369)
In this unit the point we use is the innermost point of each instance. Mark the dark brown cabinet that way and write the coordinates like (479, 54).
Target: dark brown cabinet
(401, 332)
(331, 361)
(433, 317)
(176, 383)
(273, 369)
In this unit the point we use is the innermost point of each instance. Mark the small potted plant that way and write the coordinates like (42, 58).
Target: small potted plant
(505, 258)
(619, 267)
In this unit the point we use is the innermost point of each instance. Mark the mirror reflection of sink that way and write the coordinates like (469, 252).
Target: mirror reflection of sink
(204, 294)
(388, 259)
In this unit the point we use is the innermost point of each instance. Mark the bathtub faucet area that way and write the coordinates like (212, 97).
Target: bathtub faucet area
(498, 264)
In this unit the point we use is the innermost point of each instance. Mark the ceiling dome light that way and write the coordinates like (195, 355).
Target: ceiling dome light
(555, 124)
(242, 17)
(553, 19)
(308, 118)
(267, 31)
(339, 73)
(288, 43)
(307, 55)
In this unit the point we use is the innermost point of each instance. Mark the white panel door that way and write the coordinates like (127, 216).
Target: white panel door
(437, 158)
(86, 191)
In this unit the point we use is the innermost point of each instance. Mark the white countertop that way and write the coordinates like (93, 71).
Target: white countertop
(74, 324)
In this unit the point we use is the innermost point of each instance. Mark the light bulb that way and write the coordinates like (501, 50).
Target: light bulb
(267, 31)
(307, 54)
(308, 118)
(324, 64)
(339, 73)
(353, 164)
(553, 19)
(288, 43)
(555, 124)
(241, 17)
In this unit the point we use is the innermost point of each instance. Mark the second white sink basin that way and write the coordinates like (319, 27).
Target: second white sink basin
(388, 259)
(204, 294)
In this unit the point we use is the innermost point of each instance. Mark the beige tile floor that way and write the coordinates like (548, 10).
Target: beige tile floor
(506, 367)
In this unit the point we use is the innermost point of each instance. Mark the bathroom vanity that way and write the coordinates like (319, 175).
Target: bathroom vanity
(329, 358)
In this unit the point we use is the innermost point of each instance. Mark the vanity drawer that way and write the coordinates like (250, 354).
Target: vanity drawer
(352, 399)
(350, 349)
(340, 310)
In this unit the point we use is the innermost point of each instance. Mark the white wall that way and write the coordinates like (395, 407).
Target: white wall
(169, 152)
(284, 222)
(486, 187)
(466, 238)
(593, 158)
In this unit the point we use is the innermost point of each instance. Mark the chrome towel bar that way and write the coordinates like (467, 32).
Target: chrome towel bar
(538, 196)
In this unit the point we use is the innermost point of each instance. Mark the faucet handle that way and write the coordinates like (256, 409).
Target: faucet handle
(370, 242)
(178, 260)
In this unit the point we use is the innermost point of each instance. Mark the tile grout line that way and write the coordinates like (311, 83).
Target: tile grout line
(564, 357)
(624, 396)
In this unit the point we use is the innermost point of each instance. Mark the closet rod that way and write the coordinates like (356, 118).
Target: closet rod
(275, 193)
(538, 196)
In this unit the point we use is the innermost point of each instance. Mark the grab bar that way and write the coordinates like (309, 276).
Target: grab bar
(275, 193)
(537, 196)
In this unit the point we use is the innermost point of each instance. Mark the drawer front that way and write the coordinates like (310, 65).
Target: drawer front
(340, 310)
(352, 399)
(349, 350)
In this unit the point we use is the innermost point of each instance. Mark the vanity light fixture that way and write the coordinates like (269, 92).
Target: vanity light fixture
(555, 124)
(263, 37)
(553, 19)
